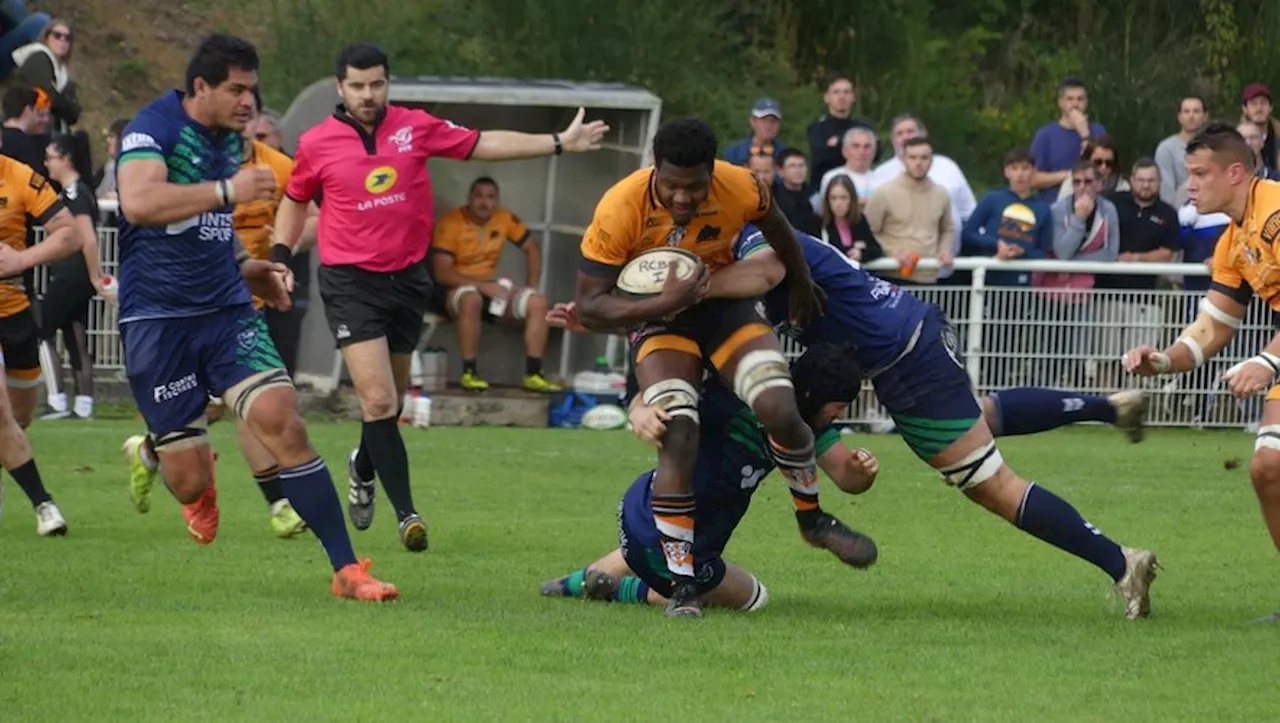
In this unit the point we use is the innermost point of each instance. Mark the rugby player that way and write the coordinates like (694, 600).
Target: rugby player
(252, 219)
(26, 200)
(1221, 179)
(369, 163)
(908, 350)
(690, 200)
(733, 459)
(187, 322)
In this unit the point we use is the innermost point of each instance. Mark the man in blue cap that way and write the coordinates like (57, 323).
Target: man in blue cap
(766, 122)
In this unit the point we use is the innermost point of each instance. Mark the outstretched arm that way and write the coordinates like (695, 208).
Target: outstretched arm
(513, 145)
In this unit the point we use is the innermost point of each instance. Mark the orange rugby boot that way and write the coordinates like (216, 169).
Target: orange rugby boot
(202, 516)
(355, 582)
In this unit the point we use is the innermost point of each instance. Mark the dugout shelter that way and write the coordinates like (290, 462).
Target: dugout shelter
(555, 197)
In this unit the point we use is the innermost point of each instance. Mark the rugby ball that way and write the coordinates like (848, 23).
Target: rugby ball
(604, 416)
(646, 273)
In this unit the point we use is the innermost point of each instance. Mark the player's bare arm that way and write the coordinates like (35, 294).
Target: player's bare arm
(565, 316)
(1255, 374)
(1219, 317)
(147, 197)
(804, 297)
(853, 470)
(748, 278)
(445, 271)
(600, 309)
(533, 262)
(579, 137)
(60, 242)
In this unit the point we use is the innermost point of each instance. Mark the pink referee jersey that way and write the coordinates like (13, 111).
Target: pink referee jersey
(377, 208)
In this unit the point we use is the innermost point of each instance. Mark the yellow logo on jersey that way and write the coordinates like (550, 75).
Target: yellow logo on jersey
(380, 179)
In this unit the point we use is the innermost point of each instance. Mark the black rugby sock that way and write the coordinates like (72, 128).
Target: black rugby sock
(269, 484)
(386, 449)
(28, 478)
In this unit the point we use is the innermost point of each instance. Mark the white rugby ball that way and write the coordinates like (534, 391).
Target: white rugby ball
(604, 416)
(646, 273)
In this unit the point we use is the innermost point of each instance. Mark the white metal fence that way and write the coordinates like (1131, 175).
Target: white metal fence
(1011, 336)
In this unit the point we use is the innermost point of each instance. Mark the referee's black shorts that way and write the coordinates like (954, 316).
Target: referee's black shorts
(361, 305)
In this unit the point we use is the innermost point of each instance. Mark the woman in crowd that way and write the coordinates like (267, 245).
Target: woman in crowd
(1102, 153)
(844, 226)
(46, 65)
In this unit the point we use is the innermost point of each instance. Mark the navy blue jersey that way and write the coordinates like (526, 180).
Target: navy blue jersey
(187, 268)
(876, 316)
(733, 457)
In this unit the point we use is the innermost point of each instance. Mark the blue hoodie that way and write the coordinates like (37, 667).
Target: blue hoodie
(1003, 216)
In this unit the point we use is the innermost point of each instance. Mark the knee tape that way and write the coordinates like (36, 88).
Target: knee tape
(455, 298)
(759, 597)
(675, 396)
(978, 467)
(1268, 438)
(520, 304)
(759, 371)
(193, 435)
(241, 397)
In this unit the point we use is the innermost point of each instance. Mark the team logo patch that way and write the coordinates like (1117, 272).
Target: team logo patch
(403, 139)
(1271, 228)
(381, 179)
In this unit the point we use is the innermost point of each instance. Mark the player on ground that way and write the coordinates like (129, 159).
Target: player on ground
(187, 321)
(908, 350)
(368, 161)
(690, 200)
(1220, 169)
(252, 219)
(26, 198)
(733, 459)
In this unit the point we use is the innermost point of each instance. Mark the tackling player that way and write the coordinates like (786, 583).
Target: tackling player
(369, 162)
(252, 219)
(26, 199)
(908, 350)
(1220, 167)
(690, 200)
(733, 459)
(187, 321)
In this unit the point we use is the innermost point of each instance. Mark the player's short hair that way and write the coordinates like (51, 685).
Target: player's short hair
(1019, 155)
(361, 56)
(1070, 82)
(825, 373)
(482, 181)
(685, 142)
(916, 141)
(1145, 162)
(1225, 143)
(216, 56)
(17, 99)
(790, 153)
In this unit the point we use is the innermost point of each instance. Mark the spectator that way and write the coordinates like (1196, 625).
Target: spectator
(944, 172)
(843, 224)
(1149, 233)
(859, 149)
(1171, 154)
(1257, 110)
(766, 123)
(17, 28)
(18, 139)
(826, 133)
(104, 181)
(1254, 138)
(46, 65)
(266, 129)
(1102, 153)
(464, 262)
(1058, 145)
(791, 192)
(762, 167)
(911, 216)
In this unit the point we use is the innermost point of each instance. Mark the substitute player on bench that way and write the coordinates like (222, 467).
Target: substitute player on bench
(1220, 168)
(690, 200)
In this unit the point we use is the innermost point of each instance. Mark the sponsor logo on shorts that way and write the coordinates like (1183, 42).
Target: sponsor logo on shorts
(174, 389)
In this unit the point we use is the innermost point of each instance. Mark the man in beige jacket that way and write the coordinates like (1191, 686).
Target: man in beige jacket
(911, 216)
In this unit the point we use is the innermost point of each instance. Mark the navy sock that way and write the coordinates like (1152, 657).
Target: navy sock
(269, 484)
(310, 490)
(1028, 410)
(28, 478)
(1053, 519)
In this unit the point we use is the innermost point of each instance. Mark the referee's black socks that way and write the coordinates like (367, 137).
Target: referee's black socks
(386, 450)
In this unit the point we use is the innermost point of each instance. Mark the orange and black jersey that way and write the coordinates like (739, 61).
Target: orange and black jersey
(26, 198)
(1246, 260)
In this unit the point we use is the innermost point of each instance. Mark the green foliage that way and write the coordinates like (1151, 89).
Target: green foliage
(982, 74)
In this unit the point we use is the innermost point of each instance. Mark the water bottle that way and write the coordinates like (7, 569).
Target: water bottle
(407, 405)
(422, 410)
(498, 304)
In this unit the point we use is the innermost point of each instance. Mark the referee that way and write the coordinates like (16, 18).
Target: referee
(368, 165)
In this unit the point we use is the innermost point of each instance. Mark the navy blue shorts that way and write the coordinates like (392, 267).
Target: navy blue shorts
(641, 544)
(175, 365)
(928, 392)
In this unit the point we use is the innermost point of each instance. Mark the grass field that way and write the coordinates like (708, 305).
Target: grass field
(964, 618)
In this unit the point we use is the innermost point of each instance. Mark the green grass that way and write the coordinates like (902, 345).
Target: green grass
(964, 618)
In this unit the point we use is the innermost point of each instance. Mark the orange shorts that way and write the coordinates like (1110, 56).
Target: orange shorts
(713, 330)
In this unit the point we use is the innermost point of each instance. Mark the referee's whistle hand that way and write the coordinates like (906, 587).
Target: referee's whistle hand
(580, 136)
(254, 184)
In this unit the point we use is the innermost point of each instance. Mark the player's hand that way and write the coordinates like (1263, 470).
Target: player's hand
(805, 302)
(11, 262)
(1248, 378)
(865, 467)
(679, 294)
(565, 316)
(1146, 361)
(581, 136)
(649, 423)
(272, 282)
(254, 184)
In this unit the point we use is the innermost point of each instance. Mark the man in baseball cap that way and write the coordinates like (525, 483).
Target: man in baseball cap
(765, 122)
(1256, 100)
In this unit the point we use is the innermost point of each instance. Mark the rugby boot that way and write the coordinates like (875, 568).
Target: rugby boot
(285, 521)
(1272, 618)
(1131, 412)
(539, 383)
(684, 602)
(413, 533)
(852, 547)
(353, 582)
(472, 382)
(360, 495)
(49, 520)
(141, 477)
(1135, 586)
(599, 585)
(202, 516)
